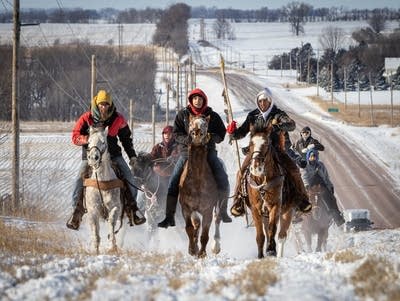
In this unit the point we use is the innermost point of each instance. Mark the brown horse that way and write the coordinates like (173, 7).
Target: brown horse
(198, 193)
(266, 186)
(319, 221)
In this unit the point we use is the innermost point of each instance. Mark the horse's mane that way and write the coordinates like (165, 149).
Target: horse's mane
(260, 126)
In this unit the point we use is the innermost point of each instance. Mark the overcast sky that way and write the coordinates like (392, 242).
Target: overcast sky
(239, 4)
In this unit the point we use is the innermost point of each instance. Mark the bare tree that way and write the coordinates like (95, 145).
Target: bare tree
(332, 38)
(223, 29)
(377, 21)
(297, 13)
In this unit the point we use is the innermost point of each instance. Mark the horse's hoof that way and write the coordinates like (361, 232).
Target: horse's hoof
(271, 253)
(202, 254)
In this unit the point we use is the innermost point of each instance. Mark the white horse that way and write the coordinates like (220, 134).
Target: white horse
(102, 193)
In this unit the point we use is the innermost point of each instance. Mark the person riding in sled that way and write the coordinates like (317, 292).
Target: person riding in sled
(269, 113)
(198, 105)
(103, 113)
(166, 149)
(305, 143)
(315, 173)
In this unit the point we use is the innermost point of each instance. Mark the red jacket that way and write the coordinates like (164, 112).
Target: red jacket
(117, 129)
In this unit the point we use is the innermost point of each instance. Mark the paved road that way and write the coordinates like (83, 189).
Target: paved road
(359, 181)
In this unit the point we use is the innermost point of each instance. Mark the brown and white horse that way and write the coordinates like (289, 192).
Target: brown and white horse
(198, 193)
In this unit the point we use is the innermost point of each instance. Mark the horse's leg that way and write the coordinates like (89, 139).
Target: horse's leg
(285, 220)
(260, 237)
(112, 220)
(308, 238)
(216, 248)
(271, 231)
(94, 228)
(205, 228)
(190, 231)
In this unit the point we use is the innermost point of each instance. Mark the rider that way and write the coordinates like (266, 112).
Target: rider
(270, 113)
(166, 149)
(306, 142)
(316, 173)
(197, 106)
(104, 113)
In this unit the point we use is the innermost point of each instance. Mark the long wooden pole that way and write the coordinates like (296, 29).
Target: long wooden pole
(230, 119)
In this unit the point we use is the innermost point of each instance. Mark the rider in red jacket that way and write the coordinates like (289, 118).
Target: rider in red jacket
(103, 113)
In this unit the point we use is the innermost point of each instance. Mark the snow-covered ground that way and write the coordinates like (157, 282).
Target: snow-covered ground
(357, 266)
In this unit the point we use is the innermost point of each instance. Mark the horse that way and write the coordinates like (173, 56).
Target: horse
(198, 192)
(154, 183)
(319, 221)
(102, 189)
(266, 188)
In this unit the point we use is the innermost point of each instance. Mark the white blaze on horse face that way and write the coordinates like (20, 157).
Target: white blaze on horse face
(257, 166)
(198, 130)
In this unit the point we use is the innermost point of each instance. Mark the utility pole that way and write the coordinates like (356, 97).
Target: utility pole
(15, 107)
(120, 28)
(94, 79)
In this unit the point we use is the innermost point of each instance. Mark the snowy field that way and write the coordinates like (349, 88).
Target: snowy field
(357, 266)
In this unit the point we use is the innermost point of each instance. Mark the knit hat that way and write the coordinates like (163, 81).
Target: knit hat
(306, 129)
(167, 129)
(314, 152)
(103, 96)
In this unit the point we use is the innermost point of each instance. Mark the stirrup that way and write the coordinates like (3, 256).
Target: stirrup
(237, 208)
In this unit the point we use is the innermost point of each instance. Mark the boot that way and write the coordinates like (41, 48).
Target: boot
(76, 218)
(169, 220)
(237, 208)
(131, 209)
(223, 211)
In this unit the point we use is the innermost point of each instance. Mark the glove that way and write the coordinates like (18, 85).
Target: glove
(132, 161)
(301, 162)
(83, 140)
(310, 146)
(231, 127)
(304, 150)
(274, 121)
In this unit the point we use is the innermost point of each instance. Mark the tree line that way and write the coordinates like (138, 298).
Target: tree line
(54, 81)
(359, 67)
(152, 15)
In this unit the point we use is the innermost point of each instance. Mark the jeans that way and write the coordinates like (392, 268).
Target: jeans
(173, 186)
(216, 166)
(78, 187)
(218, 170)
(123, 168)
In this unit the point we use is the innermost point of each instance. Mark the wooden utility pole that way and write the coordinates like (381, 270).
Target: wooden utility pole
(167, 107)
(94, 79)
(317, 72)
(15, 107)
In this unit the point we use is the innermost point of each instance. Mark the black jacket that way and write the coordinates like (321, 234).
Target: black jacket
(216, 128)
(285, 123)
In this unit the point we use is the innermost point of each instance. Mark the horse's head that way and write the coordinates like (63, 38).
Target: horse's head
(143, 166)
(260, 149)
(198, 126)
(97, 146)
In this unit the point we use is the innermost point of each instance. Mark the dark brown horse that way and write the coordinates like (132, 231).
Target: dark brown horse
(265, 186)
(154, 183)
(319, 221)
(198, 193)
